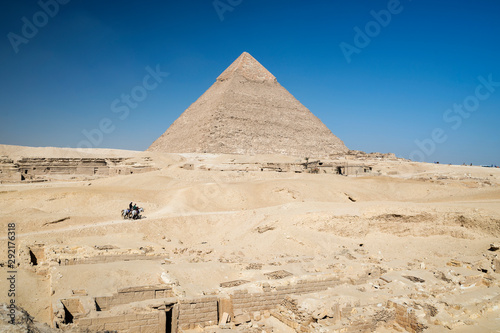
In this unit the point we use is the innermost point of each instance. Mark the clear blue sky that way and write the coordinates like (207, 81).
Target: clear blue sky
(395, 90)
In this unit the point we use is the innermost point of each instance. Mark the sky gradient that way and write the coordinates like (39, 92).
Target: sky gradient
(419, 78)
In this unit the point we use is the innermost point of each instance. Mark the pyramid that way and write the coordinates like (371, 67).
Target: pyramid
(246, 111)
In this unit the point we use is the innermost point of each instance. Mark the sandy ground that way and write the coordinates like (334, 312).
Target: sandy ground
(210, 225)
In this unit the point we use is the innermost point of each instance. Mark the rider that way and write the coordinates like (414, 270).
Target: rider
(136, 209)
(129, 210)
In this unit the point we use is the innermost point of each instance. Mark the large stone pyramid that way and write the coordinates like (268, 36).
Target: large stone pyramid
(246, 111)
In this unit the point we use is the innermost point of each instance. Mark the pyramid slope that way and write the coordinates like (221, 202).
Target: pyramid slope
(246, 111)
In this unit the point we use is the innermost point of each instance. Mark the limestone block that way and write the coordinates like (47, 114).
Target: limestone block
(83, 322)
(116, 326)
(149, 329)
(226, 306)
(496, 265)
(241, 319)
(135, 329)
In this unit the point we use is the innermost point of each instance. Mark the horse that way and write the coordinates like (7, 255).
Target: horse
(126, 213)
(136, 213)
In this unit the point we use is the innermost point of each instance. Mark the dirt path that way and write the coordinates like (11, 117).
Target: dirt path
(107, 223)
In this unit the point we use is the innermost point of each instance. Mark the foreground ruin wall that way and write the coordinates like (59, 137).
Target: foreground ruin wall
(165, 307)
(201, 311)
(162, 302)
(190, 312)
(269, 299)
(133, 294)
(131, 323)
(240, 304)
(161, 306)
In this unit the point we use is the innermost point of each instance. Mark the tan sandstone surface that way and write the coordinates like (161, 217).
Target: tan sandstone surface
(407, 244)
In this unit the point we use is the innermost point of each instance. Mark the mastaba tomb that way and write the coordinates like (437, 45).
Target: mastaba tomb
(246, 111)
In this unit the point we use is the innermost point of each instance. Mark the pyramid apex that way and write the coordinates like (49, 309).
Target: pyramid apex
(248, 67)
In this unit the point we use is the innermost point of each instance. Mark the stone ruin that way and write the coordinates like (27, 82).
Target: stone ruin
(306, 303)
(40, 169)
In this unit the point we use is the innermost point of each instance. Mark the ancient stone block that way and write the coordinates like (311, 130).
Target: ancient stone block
(241, 319)
(134, 329)
(116, 326)
(84, 322)
(149, 329)
(234, 283)
(496, 265)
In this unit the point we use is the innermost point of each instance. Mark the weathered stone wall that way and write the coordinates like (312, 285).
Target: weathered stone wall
(361, 155)
(108, 258)
(335, 167)
(37, 253)
(147, 322)
(9, 171)
(196, 311)
(202, 311)
(405, 316)
(134, 294)
(73, 306)
(39, 168)
(270, 298)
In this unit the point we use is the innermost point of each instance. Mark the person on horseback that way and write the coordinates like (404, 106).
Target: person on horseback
(129, 210)
(135, 210)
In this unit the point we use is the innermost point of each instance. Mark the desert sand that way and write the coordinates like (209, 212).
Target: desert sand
(416, 234)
